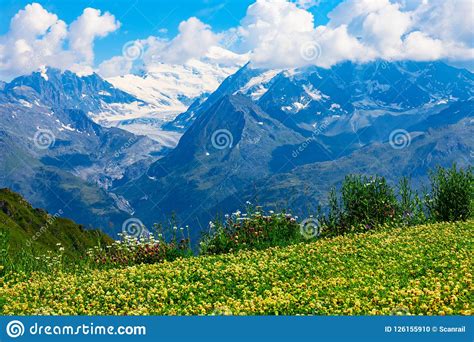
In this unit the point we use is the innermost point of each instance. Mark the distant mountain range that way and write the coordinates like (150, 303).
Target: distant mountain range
(280, 138)
(57, 156)
(289, 135)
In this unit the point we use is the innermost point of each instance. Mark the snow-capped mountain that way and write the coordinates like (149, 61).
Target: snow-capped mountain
(168, 90)
(57, 156)
(350, 94)
(66, 89)
(171, 88)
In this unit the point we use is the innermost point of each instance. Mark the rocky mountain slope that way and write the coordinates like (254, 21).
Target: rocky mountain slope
(57, 156)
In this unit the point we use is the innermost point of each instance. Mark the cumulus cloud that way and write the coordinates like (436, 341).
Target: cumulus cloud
(274, 30)
(447, 20)
(195, 40)
(273, 34)
(410, 29)
(37, 37)
(31, 21)
(84, 30)
(284, 34)
(418, 46)
(115, 66)
(358, 30)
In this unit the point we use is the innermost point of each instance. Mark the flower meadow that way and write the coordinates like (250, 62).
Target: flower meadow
(416, 270)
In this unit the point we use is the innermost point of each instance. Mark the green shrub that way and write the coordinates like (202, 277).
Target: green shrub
(146, 249)
(452, 194)
(366, 202)
(410, 206)
(252, 230)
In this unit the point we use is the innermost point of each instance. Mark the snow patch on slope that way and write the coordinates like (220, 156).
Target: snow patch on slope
(165, 91)
(171, 88)
(257, 86)
(313, 93)
(44, 72)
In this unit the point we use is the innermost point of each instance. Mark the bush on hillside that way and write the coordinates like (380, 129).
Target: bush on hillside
(145, 249)
(365, 202)
(411, 209)
(254, 229)
(452, 194)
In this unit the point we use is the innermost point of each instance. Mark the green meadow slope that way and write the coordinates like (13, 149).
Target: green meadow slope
(34, 230)
(424, 269)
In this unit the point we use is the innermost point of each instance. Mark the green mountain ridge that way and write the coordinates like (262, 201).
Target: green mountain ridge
(34, 230)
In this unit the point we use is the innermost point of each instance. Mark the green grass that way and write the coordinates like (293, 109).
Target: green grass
(25, 230)
(424, 269)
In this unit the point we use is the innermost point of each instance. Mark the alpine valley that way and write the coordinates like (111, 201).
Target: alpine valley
(132, 146)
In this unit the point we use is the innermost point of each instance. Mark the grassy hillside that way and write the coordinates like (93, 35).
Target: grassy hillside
(423, 269)
(28, 230)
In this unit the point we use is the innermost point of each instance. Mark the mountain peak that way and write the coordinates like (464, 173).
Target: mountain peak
(65, 89)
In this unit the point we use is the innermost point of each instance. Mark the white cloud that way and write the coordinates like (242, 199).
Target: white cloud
(383, 30)
(283, 34)
(338, 45)
(409, 29)
(273, 34)
(31, 21)
(273, 30)
(418, 46)
(37, 37)
(193, 41)
(86, 28)
(277, 31)
(115, 66)
(447, 20)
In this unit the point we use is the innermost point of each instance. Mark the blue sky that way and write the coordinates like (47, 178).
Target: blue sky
(118, 37)
(142, 18)
(139, 19)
